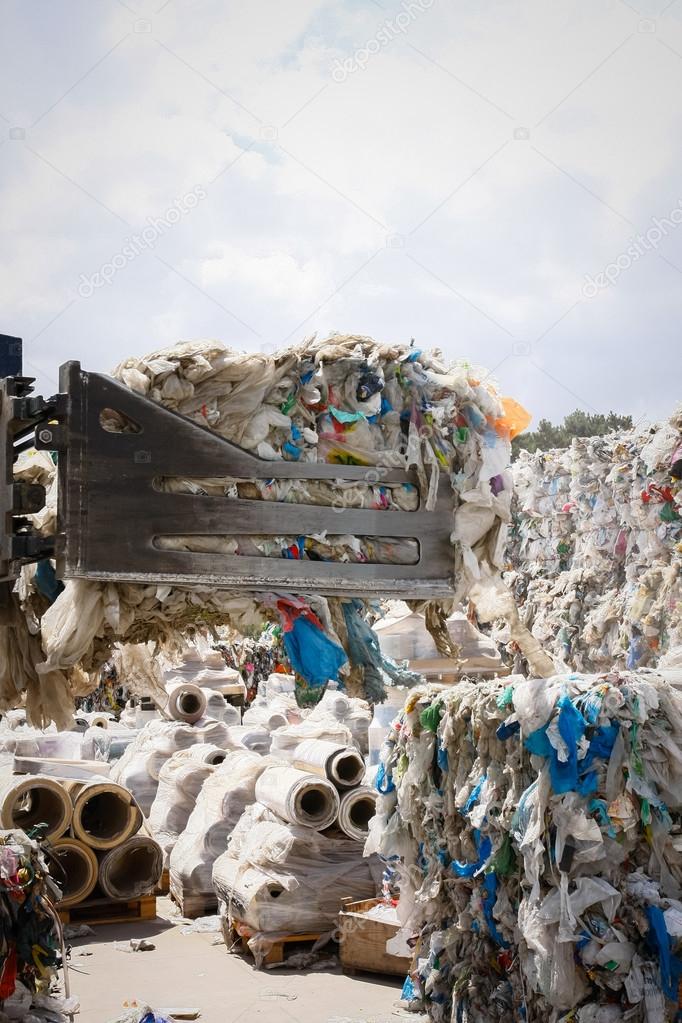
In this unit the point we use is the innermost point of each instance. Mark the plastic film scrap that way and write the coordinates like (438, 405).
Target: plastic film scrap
(535, 826)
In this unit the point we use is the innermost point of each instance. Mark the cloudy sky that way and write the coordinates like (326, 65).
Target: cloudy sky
(500, 179)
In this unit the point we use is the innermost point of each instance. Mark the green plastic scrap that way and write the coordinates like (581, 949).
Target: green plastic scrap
(288, 404)
(430, 718)
(503, 862)
(505, 698)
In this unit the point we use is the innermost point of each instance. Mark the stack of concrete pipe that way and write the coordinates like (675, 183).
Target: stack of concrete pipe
(91, 828)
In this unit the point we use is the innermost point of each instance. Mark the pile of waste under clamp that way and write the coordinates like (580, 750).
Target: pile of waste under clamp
(596, 548)
(535, 827)
(344, 400)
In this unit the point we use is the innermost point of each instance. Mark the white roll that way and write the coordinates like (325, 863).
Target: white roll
(186, 702)
(298, 797)
(341, 765)
(357, 809)
(131, 869)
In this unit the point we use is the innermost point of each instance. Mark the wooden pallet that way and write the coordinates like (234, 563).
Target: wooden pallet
(104, 911)
(363, 942)
(240, 933)
(163, 887)
(193, 905)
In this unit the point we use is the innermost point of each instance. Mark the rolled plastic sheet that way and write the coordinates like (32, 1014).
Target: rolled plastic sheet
(251, 737)
(26, 802)
(224, 796)
(83, 770)
(139, 767)
(217, 707)
(180, 782)
(285, 741)
(298, 797)
(281, 877)
(104, 813)
(186, 702)
(341, 765)
(75, 870)
(352, 712)
(132, 869)
(357, 809)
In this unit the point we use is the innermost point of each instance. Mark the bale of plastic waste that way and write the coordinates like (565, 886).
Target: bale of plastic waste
(595, 550)
(298, 797)
(75, 870)
(180, 781)
(345, 399)
(28, 802)
(277, 876)
(223, 797)
(104, 813)
(132, 869)
(535, 827)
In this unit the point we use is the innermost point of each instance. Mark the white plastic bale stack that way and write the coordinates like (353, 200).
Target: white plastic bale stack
(596, 550)
(279, 877)
(223, 797)
(140, 766)
(536, 829)
(180, 781)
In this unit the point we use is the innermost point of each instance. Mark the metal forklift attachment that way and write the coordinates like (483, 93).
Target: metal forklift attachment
(111, 515)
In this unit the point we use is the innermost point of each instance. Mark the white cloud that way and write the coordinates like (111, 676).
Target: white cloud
(309, 227)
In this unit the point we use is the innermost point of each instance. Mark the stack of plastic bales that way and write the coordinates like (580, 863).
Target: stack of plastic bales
(536, 828)
(596, 547)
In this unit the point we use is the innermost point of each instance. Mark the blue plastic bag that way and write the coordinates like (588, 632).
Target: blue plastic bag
(313, 654)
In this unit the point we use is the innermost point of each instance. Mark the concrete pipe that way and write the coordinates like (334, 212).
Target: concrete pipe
(341, 765)
(298, 797)
(357, 809)
(28, 801)
(186, 702)
(75, 871)
(131, 869)
(104, 814)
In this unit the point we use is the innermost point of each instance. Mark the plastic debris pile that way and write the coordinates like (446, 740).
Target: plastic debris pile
(535, 827)
(596, 547)
(30, 952)
(343, 400)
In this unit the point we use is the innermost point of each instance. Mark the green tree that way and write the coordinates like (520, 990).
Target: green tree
(576, 424)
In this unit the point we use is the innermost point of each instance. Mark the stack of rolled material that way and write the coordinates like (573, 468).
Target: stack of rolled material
(92, 827)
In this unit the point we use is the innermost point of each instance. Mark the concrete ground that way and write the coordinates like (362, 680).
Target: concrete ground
(189, 970)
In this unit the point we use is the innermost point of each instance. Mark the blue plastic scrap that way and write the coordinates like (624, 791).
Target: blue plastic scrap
(670, 965)
(312, 653)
